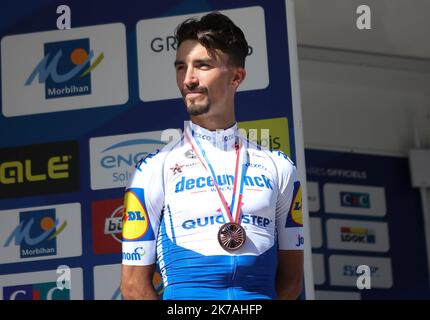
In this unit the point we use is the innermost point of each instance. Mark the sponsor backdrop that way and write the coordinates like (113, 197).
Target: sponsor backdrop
(80, 107)
(362, 215)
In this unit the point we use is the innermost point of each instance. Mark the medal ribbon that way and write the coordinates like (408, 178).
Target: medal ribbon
(239, 175)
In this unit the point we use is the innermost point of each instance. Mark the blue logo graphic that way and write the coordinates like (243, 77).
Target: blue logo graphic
(36, 233)
(66, 68)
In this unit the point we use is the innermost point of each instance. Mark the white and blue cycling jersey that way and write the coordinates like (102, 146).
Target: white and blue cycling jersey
(172, 215)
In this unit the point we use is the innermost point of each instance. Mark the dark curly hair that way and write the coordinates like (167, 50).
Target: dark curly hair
(215, 31)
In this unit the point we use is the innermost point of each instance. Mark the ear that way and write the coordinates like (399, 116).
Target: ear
(238, 77)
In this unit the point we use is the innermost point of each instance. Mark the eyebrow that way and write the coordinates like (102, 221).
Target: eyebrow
(205, 60)
(177, 62)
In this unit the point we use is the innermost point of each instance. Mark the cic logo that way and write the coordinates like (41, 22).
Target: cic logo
(355, 199)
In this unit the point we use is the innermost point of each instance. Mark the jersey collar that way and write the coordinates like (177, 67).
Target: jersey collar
(223, 139)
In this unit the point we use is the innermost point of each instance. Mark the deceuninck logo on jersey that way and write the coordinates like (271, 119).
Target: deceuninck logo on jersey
(40, 233)
(136, 224)
(64, 70)
(113, 158)
(354, 199)
(41, 285)
(156, 51)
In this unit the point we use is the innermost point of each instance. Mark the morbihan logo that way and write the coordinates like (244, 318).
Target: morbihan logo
(36, 233)
(58, 70)
(41, 233)
(113, 158)
(73, 56)
(156, 49)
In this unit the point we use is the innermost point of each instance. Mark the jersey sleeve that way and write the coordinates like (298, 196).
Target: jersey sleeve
(143, 205)
(289, 219)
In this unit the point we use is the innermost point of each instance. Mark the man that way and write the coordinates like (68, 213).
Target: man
(222, 214)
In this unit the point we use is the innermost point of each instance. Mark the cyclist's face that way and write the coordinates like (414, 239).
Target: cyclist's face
(206, 79)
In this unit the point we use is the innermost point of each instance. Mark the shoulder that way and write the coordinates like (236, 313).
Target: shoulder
(155, 160)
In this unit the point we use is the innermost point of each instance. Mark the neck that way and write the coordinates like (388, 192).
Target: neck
(213, 123)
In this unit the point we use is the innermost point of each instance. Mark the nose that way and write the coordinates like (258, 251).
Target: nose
(191, 80)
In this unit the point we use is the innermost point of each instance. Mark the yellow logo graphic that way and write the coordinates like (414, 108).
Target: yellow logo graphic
(296, 209)
(135, 217)
(269, 133)
(13, 172)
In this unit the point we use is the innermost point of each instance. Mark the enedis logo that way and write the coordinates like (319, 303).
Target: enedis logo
(357, 235)
(269, 133)
(355, 199)
(66, 68)
(39, 169)
(114, 157)
(36, 291)
(36, 233)
(136, 225)
(295, 217)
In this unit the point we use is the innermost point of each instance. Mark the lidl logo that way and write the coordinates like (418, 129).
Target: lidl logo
(357, 235)
(36, 233)
(36, 291)
(136, 225)
(66, 68)
(355, 199)
(295, 217)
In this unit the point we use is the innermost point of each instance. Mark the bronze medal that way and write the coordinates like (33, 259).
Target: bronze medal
(231, 236)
